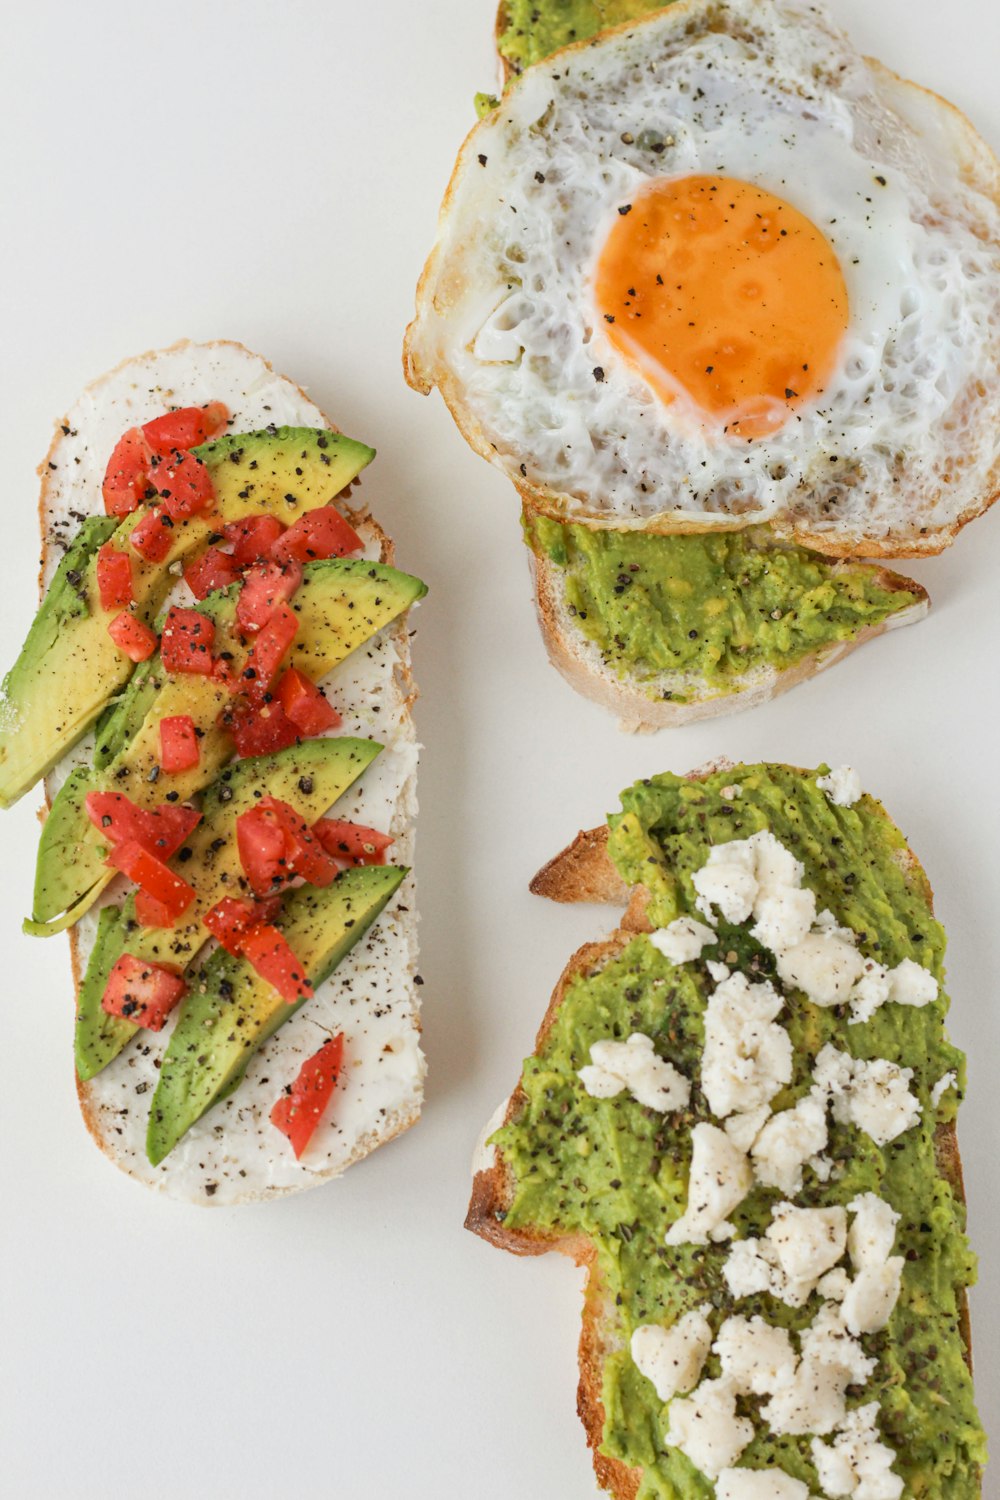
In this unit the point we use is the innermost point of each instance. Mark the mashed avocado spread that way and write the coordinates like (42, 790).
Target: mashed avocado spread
(716, 605)
(616, 1172)
(532, 29)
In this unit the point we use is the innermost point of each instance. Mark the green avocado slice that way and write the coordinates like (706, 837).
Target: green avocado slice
(340, 604)
(231, 1011)
(69, 667)
(309, 777)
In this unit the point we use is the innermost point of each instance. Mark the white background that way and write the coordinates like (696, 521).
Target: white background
(271, 173)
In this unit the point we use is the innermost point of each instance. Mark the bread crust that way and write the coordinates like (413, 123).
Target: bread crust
(574, 657)
(582, 867)
(361, 518)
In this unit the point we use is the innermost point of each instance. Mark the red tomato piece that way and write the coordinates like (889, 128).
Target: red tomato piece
(179, 748)
(214, 569)
(141, 992)
(303, 702)
(229, 918)
(126, 479)
(253, 537)
(268, 652)
(306, 855)
(187, 427)
(154, 877)
(133, 637)
(162, 830)
(185, 486)
(263, 732)
(186, 643)
(152, 913)
(153, 537)
(114, 577)
(266, 586)
(319, 534)
(351, 843)
(265, 851)
(300, 1108)
(268, 952)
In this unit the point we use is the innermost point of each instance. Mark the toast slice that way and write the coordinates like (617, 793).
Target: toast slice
(233, 1154)
(585, 871)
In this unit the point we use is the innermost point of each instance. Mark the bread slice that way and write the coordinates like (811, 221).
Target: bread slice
(670, 699)
(234, 1154)
(583, 872)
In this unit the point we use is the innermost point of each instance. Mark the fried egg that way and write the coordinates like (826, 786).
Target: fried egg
(716, 268)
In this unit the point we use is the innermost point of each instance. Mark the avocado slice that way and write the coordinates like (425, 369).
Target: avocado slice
(69, 667)
(340, 604)
(310, 777)
(231, 1011)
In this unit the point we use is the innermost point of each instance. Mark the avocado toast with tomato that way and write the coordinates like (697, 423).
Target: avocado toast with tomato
(217, 691)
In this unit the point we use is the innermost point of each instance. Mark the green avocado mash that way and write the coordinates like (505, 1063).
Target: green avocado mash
(717, 605)
(529, 30)
(616, 1172)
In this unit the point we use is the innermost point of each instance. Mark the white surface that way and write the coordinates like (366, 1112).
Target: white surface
(280, 187)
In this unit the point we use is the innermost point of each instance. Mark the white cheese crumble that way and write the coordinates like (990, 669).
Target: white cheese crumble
(683, 939)
(798, 1247)
(873, 1231)
(759, 1484)
(717, 971)
(705, 1427)
(909, 983)
(869, 1300)
(635, 1066)
(788, 1141)
(747, 1057)
(743, 1129)
(814, 1400)
(857, 1463)
(720, 1179)
(824, 965)
(842, 785)
(872, 1094)
(945, 1082)
(755, 1357)
(673, 1358)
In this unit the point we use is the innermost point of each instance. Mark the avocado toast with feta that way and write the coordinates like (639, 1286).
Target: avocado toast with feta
(231, 831)
(740, 1116)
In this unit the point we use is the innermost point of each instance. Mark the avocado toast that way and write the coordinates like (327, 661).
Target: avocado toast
(747, 1135)
(309, 687)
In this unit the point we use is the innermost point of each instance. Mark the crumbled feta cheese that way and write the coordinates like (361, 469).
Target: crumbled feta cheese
(842, 786)
(683, 939)
(787, 1142)
(827, 1341)
(872, 1094)
(717, 971)
(673, 1358)
(739, 874)
(705, 1427)
(912, 984)
(743, 1129)
(759, 1484)
(873, 1231)
(720, 1179)
(729, 793)
(807, 1242)
(822, 1166)
(814, 1401)
(872, 1295)
(857, 1464)
(635, 1066)
(783, 917)
(730, 888)
(833, 1286)
(824, 965)
(748, 1271)
(871, 991)
(747, 1057)
(757, 1358)
(945, 1082)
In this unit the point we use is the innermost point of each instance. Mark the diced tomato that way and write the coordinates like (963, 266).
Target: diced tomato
(126, 479)
(185, 486)
(214, 569)
(261, 732)
(275, 844)
(267, 951)
(266, 586)
(300, 1109)
(186, 428)
(162, 830)
(133, 637)
(179, 748)
(153, 537)
(318, 534)
(350, 843)
(186, 643)
(305, 705)
(149, 912)
(154, 877)
(229, 918)
(269, 650)
(253, 537)
(141, 992)
(114, 577)
(307, 856)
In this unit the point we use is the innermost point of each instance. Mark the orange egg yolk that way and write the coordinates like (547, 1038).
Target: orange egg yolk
(716, 288)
